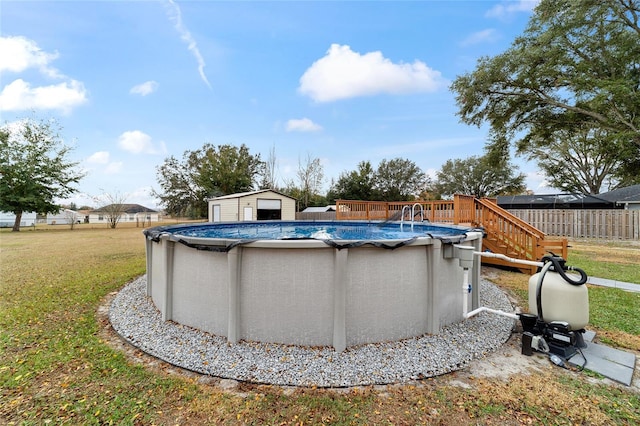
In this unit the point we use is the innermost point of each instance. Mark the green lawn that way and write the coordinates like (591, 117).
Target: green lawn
(56, 367)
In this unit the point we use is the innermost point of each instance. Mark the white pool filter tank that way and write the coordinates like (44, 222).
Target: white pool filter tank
(562, 296)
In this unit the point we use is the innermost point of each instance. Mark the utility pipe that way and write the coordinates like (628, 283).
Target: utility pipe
(466, 288)
(508, 259)
(493, 311)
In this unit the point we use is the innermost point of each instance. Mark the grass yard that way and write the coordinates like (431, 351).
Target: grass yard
(55, 368)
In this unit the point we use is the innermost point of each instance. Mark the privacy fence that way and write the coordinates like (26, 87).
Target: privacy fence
(604, 224)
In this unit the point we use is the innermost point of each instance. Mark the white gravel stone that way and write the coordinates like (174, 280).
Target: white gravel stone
(134, 316)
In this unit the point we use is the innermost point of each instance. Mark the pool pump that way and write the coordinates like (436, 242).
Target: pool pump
(559, 306)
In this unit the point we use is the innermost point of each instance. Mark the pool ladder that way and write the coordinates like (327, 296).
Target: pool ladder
(413, 214)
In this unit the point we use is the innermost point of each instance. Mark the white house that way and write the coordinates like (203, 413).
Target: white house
(129, 213)
(64, 217)
(7, 219)
(265, 204)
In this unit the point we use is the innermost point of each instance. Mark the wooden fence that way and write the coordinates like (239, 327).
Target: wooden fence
(315, 215)
(605, 224)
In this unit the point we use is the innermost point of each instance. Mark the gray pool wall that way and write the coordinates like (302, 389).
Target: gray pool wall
(304, 292)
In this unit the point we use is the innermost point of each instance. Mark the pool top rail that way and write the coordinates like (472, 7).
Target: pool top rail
(504, 232)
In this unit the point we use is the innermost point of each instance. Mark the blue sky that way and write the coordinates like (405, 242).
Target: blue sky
(133, 82)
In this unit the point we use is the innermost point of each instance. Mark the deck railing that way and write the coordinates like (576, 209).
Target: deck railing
(459, 210)
(505, 232)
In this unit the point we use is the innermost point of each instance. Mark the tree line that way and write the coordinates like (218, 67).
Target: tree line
(565, 94)
(213, 171)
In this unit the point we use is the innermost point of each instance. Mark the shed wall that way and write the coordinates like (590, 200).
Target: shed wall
(231, 209)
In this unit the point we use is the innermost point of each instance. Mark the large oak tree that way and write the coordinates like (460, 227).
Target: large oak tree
(35, 169)
(479, 177)
(398, 179)
(206, 172)
(575, 67)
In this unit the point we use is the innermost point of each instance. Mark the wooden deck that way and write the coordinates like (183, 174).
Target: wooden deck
(504, 232)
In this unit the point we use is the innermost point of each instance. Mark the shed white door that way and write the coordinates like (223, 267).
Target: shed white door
(248, 213)
(215, 213)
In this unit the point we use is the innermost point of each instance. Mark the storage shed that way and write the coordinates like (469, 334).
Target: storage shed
(265, 204)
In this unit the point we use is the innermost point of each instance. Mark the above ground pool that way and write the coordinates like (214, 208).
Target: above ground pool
(333, 283)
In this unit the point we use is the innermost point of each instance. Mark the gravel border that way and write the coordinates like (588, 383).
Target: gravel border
(135, 318)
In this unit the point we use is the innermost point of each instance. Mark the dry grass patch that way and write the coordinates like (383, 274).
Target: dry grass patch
(56, 366)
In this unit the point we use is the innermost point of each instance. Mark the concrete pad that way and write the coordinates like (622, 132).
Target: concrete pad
(614, 284)
(589, 335)
(612, 363)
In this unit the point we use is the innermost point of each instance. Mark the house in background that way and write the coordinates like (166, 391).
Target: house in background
(129, 213)
(627, 197)
(265, 204)
(323, 209)
(7, 219)
(64, 217)
(554, 201)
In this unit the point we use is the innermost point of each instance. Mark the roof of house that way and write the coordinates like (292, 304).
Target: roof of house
(247, 194)
(554, 201)
(628, 194)
(126, 208)
(319, 209)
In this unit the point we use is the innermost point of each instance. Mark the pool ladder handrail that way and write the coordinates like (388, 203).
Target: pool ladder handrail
(402, 216)
(421, 211)
(413, 215)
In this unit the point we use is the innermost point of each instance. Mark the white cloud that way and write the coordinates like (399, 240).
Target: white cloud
(484, 36)
(114, 168)
(19, 95)
(18, 54)
(343, 73)
(302, 125)
(100, 157)
(144, 89)
(508, 8)
(175, 14)
(143, 197)
(138, 142)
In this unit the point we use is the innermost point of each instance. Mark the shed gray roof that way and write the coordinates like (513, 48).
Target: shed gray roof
(246, 194)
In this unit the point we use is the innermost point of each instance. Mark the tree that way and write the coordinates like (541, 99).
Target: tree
(355, 185)
(575, 67)
(306, 189)
(180, 194)
(269, 177)
(579, 161)
(478, 176)
(400, 179)
(34, 168)
(113, 208)
(71, 217)
(228, 169)
(207, 172)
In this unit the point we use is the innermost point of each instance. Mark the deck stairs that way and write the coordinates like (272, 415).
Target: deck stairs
(504, 233)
